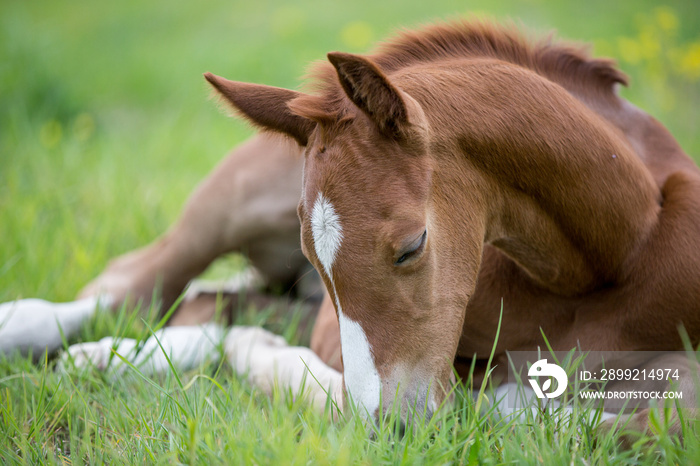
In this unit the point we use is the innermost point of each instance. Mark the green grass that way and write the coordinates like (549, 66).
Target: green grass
(105, 128)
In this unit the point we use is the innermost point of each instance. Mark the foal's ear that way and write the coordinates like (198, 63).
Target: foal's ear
(372, 92)
(264, 106)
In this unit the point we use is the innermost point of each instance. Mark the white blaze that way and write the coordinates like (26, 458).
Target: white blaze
(361, 377)
(328, 234)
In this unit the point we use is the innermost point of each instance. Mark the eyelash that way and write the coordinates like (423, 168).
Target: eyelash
(410, 254)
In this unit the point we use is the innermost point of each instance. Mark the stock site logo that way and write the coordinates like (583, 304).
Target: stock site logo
(548, 371)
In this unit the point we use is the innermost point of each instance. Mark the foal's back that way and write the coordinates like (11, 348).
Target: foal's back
(661, 289)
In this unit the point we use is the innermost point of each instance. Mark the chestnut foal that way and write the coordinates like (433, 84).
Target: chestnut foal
(459, 166)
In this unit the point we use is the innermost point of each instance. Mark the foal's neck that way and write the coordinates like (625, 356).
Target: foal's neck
(562, 192)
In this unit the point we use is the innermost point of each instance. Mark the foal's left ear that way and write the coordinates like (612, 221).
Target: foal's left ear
(372, 92)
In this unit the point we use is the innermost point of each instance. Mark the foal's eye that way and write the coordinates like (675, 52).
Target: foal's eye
(413, 249)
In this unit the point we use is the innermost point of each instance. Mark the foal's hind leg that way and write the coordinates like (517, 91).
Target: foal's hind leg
(248, 204)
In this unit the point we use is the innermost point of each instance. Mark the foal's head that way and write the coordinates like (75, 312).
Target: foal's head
(368, 225)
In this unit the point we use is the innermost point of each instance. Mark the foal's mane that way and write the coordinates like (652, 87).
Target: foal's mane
(569, 65)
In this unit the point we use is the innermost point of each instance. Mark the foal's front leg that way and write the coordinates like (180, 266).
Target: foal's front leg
(267, 361)
(263, 358)
(182, 347)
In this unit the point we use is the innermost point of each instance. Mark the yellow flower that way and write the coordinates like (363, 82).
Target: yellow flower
(666, 18)
(690, 61)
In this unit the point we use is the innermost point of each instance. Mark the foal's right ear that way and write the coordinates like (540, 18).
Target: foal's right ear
(264, 106)
(368, 88)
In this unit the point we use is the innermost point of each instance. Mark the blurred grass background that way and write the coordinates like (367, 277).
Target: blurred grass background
(106, 125)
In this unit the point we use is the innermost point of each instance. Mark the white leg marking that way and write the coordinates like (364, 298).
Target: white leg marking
(33, 324)
(187, 348)
(266, 360)
(97, 353)
(361, 377)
